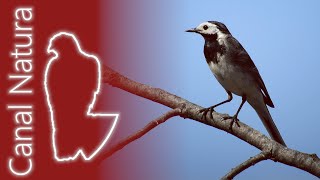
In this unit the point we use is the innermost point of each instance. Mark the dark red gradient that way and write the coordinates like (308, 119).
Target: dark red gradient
(72, 83)
(49, 17)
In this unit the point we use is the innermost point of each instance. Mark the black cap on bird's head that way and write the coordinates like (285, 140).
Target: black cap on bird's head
(210, 28)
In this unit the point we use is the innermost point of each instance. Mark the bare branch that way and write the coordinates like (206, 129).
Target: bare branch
(245, 165)
(304, 161)
(137, 135)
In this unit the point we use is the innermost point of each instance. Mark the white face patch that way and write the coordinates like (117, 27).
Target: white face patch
(209, 29)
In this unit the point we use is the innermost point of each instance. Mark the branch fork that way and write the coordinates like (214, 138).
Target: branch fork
(270, 149)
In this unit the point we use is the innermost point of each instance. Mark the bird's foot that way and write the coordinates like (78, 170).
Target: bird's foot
(234, 119)
(205, 111)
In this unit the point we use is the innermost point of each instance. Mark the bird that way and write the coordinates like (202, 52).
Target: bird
(236, 72)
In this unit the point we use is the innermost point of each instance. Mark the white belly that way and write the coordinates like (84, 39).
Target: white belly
(233, 79)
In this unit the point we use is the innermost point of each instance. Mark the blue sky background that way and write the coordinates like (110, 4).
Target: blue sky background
(282, 38)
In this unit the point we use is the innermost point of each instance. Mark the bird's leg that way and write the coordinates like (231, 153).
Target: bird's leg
(234, 119)
(211, 108)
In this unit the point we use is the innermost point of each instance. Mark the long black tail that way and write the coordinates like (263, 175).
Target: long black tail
(268, 123)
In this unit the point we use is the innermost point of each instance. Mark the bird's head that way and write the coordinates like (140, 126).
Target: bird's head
(211, 29)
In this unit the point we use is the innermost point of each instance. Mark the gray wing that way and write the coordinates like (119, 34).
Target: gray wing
(243, 60)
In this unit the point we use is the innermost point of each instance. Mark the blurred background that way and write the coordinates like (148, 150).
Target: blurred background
(145, 40)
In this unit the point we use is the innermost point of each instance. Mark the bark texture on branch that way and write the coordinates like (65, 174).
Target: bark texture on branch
(279, 153)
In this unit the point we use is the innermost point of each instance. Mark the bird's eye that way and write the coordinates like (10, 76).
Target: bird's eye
(205, 27)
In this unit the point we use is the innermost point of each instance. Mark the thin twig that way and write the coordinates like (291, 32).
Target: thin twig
(245, 165)
(307, 162)
(118, 146)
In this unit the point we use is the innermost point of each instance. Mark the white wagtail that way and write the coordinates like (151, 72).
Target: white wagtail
(236, 72)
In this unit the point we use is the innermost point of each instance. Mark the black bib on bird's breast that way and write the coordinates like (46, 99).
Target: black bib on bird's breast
(212, 48)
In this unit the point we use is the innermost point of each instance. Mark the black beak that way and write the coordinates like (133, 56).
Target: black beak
(194, 30)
